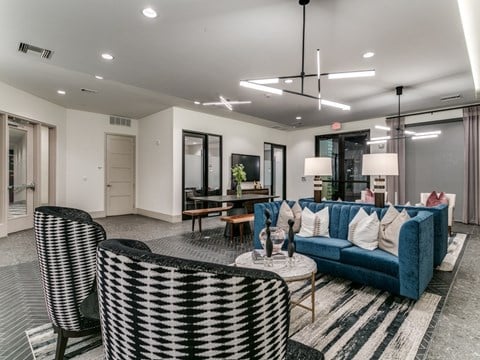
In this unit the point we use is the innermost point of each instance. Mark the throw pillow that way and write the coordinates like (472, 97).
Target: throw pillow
(407, 204)
(284, 214)
(369, 196)
(435, 199)
(297, 217)
(390, 229)
(363, 230)
(314, 224)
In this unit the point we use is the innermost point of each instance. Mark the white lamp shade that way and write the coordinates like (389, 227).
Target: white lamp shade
(380, 164)
(318, 166)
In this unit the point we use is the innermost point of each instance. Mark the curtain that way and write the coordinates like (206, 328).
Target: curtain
(471, 181)
(396, 184)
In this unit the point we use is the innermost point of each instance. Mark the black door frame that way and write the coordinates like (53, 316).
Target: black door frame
(341, 158)
(205, 149)
(284, 175)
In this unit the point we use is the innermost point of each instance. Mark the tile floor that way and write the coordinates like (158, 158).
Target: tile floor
(456, 336)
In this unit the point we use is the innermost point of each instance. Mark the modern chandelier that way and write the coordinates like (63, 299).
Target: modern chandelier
(261, 83)
(401, 133)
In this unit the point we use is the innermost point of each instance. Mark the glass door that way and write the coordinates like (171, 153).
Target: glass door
(346, 151)
(20, 177)
(202, 167)
(275, 169)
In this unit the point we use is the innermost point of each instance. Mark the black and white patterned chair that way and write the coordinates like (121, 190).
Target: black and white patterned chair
(159, 307)
(66, 241)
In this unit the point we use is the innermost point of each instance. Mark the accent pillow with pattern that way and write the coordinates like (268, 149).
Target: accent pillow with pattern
(315, 224)
(390, 226)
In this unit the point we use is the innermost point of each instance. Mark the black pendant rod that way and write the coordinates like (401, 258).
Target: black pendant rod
(303, 49)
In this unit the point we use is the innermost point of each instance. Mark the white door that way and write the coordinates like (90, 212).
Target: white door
(20, 177)
(120, 175)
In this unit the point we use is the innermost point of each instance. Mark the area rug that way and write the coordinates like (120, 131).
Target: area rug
(352, 322)
(455, 246)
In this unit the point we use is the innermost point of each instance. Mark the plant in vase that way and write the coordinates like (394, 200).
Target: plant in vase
(239, 174)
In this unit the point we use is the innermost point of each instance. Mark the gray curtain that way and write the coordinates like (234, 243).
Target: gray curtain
(471, 182)
(396, 184)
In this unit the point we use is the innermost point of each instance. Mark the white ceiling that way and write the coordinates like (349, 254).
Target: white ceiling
(198, 50)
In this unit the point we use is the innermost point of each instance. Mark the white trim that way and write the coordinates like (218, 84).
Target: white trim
(160, 216)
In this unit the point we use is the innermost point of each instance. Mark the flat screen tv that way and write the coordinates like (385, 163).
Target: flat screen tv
(251, 163)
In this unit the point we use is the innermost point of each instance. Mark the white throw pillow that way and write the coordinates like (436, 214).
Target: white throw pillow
(297, 214)
(390, 229)
(315, 224)
(284, 214)
(363, 230)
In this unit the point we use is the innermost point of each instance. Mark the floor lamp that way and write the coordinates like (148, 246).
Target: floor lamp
(380, 165)
(317, 166)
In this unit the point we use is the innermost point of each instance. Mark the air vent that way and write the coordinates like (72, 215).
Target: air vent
(91, 91)
(451, 97)
(120, 121)
(44, 53)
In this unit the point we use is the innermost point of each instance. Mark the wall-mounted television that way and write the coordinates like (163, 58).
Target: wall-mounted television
(251, 163)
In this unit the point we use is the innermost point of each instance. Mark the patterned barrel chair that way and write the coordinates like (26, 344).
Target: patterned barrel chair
(159, 307)
(67, 241)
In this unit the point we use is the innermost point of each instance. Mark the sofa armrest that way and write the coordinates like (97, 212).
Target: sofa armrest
(415, 254)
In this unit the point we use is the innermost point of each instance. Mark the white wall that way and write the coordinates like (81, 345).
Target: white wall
(155, 154)
(85, 155)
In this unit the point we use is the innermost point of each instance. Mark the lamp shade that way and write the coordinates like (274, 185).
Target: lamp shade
(380, 164)
(316, 166)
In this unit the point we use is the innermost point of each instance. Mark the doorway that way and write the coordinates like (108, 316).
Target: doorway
(120, 175)
(275, 172)
(202, 167)
(346, 151)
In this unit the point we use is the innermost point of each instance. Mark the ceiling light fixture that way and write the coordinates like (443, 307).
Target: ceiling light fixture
(401, 134)
(196, 102)
(257, 84)
(288, 81)
(61, 92)
(149, 13)
(98, 77)
(298, 118)
(107, 56)
(225, 102)
(368, 54)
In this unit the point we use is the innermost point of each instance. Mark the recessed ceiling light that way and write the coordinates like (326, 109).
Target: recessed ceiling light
(61, 92)
(107, 56)
(298, 118)
(368, 54)
(98, 77)
(196, 102)
(288, 81)
(150, 13)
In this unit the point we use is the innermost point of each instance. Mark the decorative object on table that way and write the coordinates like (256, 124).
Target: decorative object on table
(259, 83)
(291, 245)
(239, 174)
(317, 166)
(268, 241)
(380, 165)
(277, 237)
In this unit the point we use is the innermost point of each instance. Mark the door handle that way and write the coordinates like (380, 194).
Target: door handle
(30, 186)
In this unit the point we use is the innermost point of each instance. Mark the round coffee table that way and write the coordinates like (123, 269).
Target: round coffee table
(302, 268)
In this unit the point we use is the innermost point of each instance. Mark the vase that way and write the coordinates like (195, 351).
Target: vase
(239, 189)
(277, 238)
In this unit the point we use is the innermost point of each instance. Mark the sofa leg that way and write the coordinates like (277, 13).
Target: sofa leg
(449, 231)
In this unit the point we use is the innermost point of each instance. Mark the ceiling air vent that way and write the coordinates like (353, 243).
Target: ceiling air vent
(120, 121)
(44, 53)
(451, 97)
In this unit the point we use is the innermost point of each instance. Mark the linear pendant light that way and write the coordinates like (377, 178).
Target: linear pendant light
(259, 84)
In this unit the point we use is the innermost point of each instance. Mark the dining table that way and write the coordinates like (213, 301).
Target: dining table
(238, 203)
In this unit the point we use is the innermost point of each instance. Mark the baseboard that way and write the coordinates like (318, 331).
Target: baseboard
(160, 216)
(97, 214)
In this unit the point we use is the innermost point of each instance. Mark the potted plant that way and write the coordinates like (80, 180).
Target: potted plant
(239, 175)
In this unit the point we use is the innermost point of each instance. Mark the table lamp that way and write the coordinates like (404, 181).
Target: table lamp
(317, 166)
(380, 165)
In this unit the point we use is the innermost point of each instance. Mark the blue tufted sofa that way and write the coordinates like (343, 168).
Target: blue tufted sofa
(407, 275)
(440, 224)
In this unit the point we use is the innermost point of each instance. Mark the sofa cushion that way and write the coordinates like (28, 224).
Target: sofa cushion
(377, 260)
(323, 247)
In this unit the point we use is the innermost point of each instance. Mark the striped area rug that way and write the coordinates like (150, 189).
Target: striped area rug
(360, 322)
(352, 322)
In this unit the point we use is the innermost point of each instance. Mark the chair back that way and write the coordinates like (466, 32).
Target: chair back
(451, 204)
(66, 241)
(154, 306)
